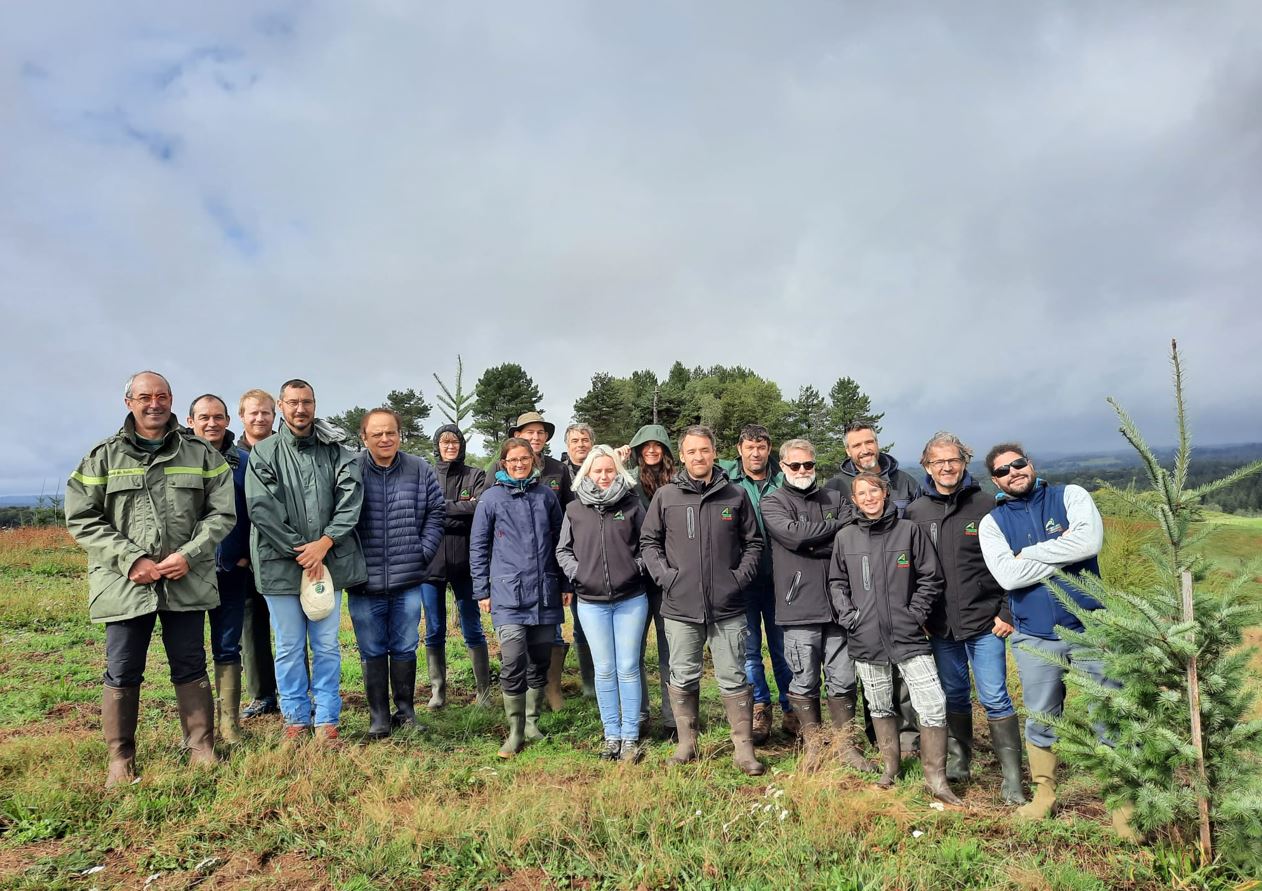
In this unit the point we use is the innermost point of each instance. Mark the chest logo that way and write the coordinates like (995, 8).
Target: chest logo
(902, 561)
(970, 529)
(1053, 526)
(464, 495)
(619, 516)
(726, 513)
(554, 485)
(828, 516)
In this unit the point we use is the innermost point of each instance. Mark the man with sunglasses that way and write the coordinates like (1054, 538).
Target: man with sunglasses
(1035, 529)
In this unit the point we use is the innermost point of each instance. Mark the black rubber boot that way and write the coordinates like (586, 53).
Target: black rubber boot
(1005, 739)
(480, 657)
(377, 692)
(959, 746)
(403, 687)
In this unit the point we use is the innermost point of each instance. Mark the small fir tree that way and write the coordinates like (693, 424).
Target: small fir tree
(455, 404)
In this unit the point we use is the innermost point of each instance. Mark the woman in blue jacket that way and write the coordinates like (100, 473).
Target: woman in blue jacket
(512, 557)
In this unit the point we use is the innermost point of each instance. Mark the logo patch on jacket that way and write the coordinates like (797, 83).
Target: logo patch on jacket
(1052, 526)
(726, 513)
(828, 515)
(464, 495)
(619, 516)
(902, 561)
(970, 529)
(554, 485)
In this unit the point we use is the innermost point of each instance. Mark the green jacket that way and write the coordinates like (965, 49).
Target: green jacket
(297, 489)
(124, 503)
(755, 490)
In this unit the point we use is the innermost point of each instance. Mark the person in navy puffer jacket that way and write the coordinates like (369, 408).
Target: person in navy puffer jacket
(512, 557)
(400, 529)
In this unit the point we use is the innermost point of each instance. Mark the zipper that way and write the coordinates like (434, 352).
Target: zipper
(933, 533)
(793, 587)
(385, 526)
(604, 555)
(692, 523)
(867, 574)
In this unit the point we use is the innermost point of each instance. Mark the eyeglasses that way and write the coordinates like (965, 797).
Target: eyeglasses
(946, 462)
(1002, 470)
(795, 466)
(519, 460)
(299, 403)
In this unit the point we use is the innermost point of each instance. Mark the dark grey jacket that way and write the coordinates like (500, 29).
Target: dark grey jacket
(599, 550)
(462, 485)
(801, 526)
(701, 545)
(903, 487)
(884, 582)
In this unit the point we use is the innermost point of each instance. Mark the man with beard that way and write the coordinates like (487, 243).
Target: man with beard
(801, 519)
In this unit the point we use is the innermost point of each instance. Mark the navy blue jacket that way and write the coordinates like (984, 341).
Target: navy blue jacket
(237, 544)
(512, 554)
(401, 524)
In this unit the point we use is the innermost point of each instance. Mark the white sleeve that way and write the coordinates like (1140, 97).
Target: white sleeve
(1081, 540)
(1010, 571)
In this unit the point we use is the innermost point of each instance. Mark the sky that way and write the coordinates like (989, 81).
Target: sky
(992, 215)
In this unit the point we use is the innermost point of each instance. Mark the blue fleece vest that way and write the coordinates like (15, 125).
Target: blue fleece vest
(1040, 517)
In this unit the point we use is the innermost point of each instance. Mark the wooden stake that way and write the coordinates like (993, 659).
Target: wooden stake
(1198, 743)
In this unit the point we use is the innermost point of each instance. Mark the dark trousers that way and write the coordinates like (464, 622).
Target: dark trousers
(525, 652)
(256, 645)
(127, 645)
(226, 618)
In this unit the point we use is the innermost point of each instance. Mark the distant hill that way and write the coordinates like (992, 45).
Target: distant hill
(19, 500)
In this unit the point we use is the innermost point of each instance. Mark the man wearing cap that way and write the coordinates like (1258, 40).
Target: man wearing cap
(556, 476)
(304, 493)
(149, 505)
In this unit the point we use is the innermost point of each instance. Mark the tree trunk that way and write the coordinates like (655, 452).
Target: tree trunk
(1194, 701)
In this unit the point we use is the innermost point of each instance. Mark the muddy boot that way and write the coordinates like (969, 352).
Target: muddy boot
(685, 707)
(436, 663)
(556, 701)
(120, 709)
(481, 660)
(228, 702)
(959, 746)
(534, 705)
(891, 754)
(197, 719)
(933, 754)
(586, 668)
(377, 692)
(1121, 818)
(740, 715)
(841, 710)
(811, 733)
(762, 722)
(1043, 773)
(790, 722)
(403, 687)
(1005, 739)
(515, 712)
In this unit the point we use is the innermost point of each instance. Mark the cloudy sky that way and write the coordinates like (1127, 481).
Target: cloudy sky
(992, 215)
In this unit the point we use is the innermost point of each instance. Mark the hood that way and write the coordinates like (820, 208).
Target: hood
(128, 430)
(322, 431)
(881, 523)
(453, 429)
(886, 464)
(684, 481)
(1036, 489)
(968, 485)
(652, 433)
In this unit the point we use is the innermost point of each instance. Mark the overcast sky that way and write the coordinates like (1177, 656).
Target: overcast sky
(992, 215)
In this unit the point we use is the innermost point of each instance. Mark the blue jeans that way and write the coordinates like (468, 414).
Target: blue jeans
(760, 611)
(1043, 684)
(228, 618)
(435, 598)
(292, 630)
(387, 624)
(614, 632)
(989, 658)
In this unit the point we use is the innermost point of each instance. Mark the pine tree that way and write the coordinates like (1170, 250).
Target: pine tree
(1184, 751)
(456, 405)
(501, 394)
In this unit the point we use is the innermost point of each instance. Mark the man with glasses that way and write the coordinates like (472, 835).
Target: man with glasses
(1034, 530)
(969, 624)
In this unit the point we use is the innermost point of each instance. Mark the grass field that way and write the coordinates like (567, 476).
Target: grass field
(439, 810)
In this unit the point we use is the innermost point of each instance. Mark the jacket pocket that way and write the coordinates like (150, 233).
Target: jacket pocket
(692, 522)
(551, 593)
(867, 573)
(506, 589)
(933, 533)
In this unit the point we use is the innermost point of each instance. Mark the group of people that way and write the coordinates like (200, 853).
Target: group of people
(872, 580)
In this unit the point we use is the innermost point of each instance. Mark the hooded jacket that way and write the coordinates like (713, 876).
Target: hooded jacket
(903, 487)
(646, 434)
(599, 549)
(555, 476)
(124, 502)
(884, 581)
(236, 546)
(512, 554)
(297, 489)
(972, 597)
(401, 524)
(801, 525)
(462, 485)
(701, 544)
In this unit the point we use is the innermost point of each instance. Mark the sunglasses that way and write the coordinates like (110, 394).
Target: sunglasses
(1002, 470)
(796, 466)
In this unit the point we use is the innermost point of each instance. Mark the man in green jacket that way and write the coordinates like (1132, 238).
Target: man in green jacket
(303, 492)
(149, 504)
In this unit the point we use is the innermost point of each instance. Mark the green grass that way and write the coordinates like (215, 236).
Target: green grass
(438, 810)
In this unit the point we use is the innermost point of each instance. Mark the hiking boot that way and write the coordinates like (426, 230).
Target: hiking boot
(197, 719)
(631, 752)
(120, 710)
(515, 713)
(740, 715)
(534, 705)
(327, 736)
(612, 750)
(685, 707)
(294, 733)
(436, 663)
(266, 706)
(556, 700)
(377, 692)
(891, 752)
(480, 657)
(806, 709)
(1043, 774)
(762, 722)
(841, 710)
(403, 691)
(1005, 739)
(228, 702)
(933, 753)
(959, 746)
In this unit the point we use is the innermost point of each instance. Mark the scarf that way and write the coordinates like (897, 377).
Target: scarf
(593, 496)
(502, 477)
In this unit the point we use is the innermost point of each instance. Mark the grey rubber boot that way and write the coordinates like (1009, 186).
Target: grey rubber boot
(959, 746)
(228, 702)
(197, 719)
(377, 692)
(534, 705)
(809, 729)
(933, 753)
(740, 715)
(120, 710)
(481, 659)
(403, 688)
(1005, 739)
(891, 753)
(685, 707)
(515, 712)
(841, 710)
(586, 668)
(436, 663)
